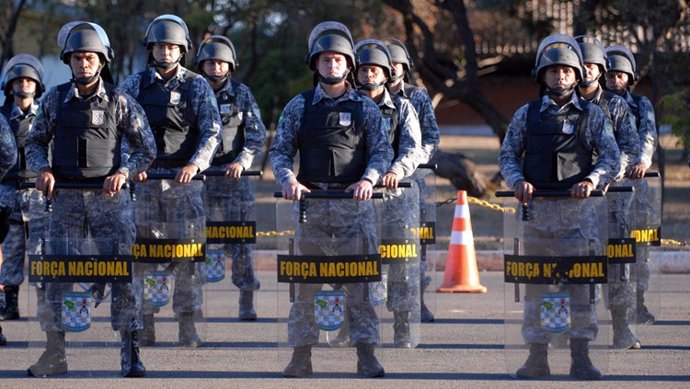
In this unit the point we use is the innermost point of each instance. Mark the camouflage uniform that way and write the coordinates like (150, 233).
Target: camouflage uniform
(8, 152)
(27, 204)
(178, 207)
(334, 218)
(598, 136)
(107, 218)
(234, 200)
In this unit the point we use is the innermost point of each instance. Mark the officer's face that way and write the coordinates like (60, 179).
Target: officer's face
(84, 64)
(558, 76)
(370, 74)
(617, 80)
(23, 84)
(166, 52)
(592, 71)
(214, 67)
(331, 64)
(399, 68)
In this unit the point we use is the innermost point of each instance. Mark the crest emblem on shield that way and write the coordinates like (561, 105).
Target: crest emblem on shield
(329, 309)
(555, 312)
(97, 117)
(175, 97)
(378, 291)
(157, 288)
(76, 311)
(215, 265)
(344, 118)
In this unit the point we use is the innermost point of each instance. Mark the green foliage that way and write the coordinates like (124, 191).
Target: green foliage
(675, 110)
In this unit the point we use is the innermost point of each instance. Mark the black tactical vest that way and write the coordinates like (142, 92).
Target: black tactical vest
(635, 109)
(554, 159)
(392, 117)
(233, 132)
(20, 126)
(332, 142)
(86, 142)
(171, 118)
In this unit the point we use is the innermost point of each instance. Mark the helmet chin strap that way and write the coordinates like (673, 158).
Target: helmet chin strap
(369, 86)
(217, 79)
(334, 80)
(23, 95)
(589, 83)
(559, 92)
(88, 80)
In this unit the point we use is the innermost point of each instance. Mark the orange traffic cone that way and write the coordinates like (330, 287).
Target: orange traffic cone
(462, 275)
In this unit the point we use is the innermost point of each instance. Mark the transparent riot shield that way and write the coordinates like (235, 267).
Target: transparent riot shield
(327, 273)
(169, 254)
(81, 277)
(397, 214)
(231, 237)
(622, 272)
(646, 211)
(430, 278)
(554, 258)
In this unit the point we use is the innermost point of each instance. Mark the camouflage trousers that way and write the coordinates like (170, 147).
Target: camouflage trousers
(87, 222)
(424, 179)
(334, 227)
(233, 200)
(621, 286)
(27, 224)
(169, 210)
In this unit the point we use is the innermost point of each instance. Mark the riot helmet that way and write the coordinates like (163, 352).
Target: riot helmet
(219, 48)
(170, 29)
(330, 36)
(621, 59)
(23, 66)
(399, 54)
(373, 52)
(592, 53)
(558, 49)
(81, 36)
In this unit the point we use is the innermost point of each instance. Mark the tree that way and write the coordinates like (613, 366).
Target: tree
(8, 26)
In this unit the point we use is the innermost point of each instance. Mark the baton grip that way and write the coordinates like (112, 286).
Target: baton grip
(619, 189)
(653, 174)
(330, 195)
(71, 185)
(171, 176)
(547, 193)
(400, 185)
(431, 166)
(221, 173)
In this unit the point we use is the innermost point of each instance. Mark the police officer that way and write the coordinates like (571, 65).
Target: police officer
(621, 294)
(242, 139)
(8, 157)
(182, 111)
(430, 134)
(83, 120)
(537, 131)
(351, 153)
(621, 75)
(22, 84)
(400, 208)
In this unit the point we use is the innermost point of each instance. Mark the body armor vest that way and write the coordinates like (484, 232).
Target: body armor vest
(555, 159)
(636, 109)
(233, 132)
(171, 118)
(392, 117)
(86, 142)
(332, 143)
(20, 126)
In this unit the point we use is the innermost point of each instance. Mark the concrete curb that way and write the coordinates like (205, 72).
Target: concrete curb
(671, 262)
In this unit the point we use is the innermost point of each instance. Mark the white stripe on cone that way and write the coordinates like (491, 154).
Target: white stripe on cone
(461, 237)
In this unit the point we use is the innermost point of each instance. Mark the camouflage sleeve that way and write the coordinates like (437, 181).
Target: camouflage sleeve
(205, 107)
(131, 85)
(8, 148)
(427, 121)
(513, 147)
(410, 153)
(379, 150)
(626, 133)
(255, 131)
(647, 131)
(284, 145)
(139, 143)
(41, 133)
(600, 133)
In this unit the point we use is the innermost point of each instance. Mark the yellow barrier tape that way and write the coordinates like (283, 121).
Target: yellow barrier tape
(671, 242)
(492, 206)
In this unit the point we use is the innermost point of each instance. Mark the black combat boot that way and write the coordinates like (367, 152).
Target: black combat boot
(247, 312)
(425, 314)
(537, 364)
(11, 310)
(623, 338)
(53, 360)
(401, 329)
(367, 364)
(643, 314)
(148, 334)
(130, 362)
(581, 367)
(188, 336)
(3, 340)
(300, 364)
